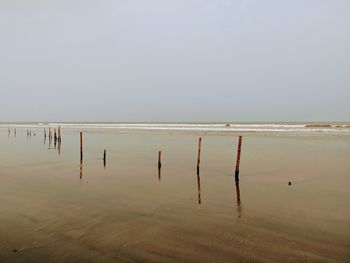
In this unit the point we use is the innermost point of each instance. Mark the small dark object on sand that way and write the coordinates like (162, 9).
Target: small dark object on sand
(289, 183)
(14, 250)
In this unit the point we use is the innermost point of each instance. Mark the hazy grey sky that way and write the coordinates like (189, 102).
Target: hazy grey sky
(180, 60)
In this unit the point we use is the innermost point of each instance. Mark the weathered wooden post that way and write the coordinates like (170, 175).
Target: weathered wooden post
(199, 187)
(81, 155)
(55, 138)
(104, 158)
(159, 159)
(59, 134)
(238, 158)
(199, 153)
(50, 137)
(81, 146)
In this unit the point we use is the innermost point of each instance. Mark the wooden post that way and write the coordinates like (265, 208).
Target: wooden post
(238, 158)
(81, 146)
(50, 137)
(159, 159)
(104, 158)
(59, 134)
(81, 155)
(199, 153)
(199, 187)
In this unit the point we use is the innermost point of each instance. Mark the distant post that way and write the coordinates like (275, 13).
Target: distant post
(199, 152)
(59, 134)
(104, 158)
(159, 159)
(81, 146)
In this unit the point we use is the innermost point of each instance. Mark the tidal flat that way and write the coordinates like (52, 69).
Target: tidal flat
(53, 209)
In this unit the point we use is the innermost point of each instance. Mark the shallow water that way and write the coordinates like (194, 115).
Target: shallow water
(129, 212)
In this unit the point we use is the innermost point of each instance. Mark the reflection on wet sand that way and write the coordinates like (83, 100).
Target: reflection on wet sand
(141, 215)
(199, 187)
(81, 169)
(238, 195)
(59, 148)
(159, 173)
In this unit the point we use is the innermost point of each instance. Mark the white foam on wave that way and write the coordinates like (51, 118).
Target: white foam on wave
(188, 127)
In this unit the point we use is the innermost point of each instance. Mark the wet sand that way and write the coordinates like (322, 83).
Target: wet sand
(129, 212)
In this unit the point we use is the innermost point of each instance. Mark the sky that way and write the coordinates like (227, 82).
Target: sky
(174, 60)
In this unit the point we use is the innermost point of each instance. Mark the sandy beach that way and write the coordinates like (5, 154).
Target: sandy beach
(129, 212)
(174, 131)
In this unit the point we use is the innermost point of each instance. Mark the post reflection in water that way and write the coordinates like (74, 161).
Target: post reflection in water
(81, 168)
(104, 163)
(199, 187)
(238, 194)
(159, 173)
(59, 148)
